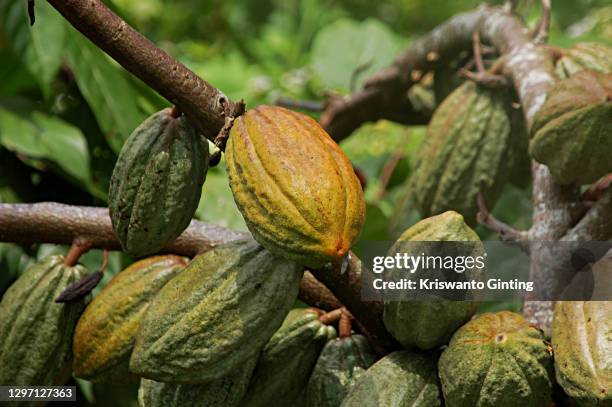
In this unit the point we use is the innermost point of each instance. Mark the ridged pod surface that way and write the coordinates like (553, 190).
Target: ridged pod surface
(591, 56)
(106, 332)
(217, 313)
(224, 392)
(400, 379)
(156, 183)
(35, 331)
(497, 360)
(571, 132)
(431, 323)
(475, 139)
(341, 362)
(283, 369)
(294, 186)
(582, 344)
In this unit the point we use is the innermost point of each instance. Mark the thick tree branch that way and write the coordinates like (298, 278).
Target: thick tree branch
(50, 222)
(205, 106)
(384, 96)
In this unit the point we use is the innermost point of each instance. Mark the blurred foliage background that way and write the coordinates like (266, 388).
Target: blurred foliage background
(66, 108)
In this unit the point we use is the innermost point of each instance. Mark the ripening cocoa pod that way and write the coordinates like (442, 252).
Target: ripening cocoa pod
(224, 392)
(590, 56)
(105, 334)
(582, 344)
(35, 331)
(286, 362)
(400, 379)
(294, 186)
(214, 315)
(572, 131)
(476, 140)
(156, 183)
(497, 360)
(428, 324)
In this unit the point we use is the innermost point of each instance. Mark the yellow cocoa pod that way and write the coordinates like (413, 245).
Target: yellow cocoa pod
(294, 186)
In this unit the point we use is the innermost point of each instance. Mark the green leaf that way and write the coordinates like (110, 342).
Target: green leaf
(110, 95)
(39, 136)
(40, 47)
(344, 46)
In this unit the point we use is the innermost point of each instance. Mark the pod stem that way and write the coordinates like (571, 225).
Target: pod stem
(344, 324)
(79, 247)
(85, 285)
(331, 317)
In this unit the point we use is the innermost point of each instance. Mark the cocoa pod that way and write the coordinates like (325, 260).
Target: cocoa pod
(35, 331)
(590, 56)
(571, 132)
(224, 392)
(430, 324)
(105, 334)
(402, 378)
(340, 363)
(285, 365)
(294, 186)
(156, 183)
(476, 140)
(215, 314)
(497, 359)
(582, 345)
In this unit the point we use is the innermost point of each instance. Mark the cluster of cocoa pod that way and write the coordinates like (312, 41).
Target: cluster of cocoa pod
(222, 329)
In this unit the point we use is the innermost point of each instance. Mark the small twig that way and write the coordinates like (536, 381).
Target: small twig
(477, 52)
(314, 293)
(78, 248)
(487, 79)
(331, 317)
(31, 14)
(310, 105)
(505, 232)
(85, 285)
(542, 28)
(344, 324)
(596, 190)
(236, 110)
(387, 171)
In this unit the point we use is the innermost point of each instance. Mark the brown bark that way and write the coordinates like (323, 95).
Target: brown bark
(205, 106)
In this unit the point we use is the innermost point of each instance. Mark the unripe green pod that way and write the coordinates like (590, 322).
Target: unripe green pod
(35, 331)
(217, 313)
(156, 183)
(430, 324)
(283, 369)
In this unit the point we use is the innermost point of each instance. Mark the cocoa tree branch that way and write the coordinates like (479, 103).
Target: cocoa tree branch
(205, 106)
(50, 222)
(384, 96)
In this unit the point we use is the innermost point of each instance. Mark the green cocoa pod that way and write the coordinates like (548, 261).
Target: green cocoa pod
(35, 331)
(156, 184)
(430, 324)
(571, 132)
(497, 359)
(582, 344)
(590, 56)
(295, 188)
(224, 392)
(341, 362)
(475, 140)
(400, 379)
(214, 315)
(283, 369)
(105, 334)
